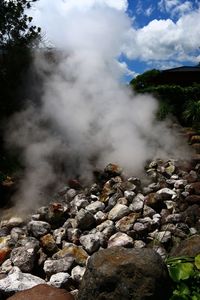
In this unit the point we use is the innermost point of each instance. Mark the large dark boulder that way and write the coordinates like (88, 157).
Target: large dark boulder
(122, 274)
(188, 247)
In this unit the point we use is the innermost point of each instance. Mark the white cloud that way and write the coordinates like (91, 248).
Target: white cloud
(125, 69)
(83, 5)
(149, 11)
(175, 7)
(166, 39)
(141, 11)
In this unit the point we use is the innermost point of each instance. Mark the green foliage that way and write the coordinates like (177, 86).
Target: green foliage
(15, 24)
(185, 273)
(192, 113)
(17, 38)
(174, 100)
(145, 80)
(165, 109)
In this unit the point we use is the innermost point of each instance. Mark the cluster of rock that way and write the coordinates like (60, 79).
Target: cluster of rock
(53, 245)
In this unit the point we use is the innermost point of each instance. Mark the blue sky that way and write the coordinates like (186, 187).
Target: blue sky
(183, 16)
(143, 34)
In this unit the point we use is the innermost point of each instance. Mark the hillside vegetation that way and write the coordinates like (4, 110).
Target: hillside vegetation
(183, 102)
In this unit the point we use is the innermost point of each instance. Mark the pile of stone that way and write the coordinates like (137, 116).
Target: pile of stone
(116, 213)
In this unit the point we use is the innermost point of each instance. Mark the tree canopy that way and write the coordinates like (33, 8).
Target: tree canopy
(15, 25)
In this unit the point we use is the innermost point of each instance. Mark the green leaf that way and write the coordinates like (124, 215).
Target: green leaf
(197, 261)
(181, 271)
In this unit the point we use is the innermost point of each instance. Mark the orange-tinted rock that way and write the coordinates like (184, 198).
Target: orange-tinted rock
(77, 252)
(4, 253)
(42, 292)
(48, 243)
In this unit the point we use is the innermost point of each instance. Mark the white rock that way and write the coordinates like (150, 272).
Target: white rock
(59, 265)
(170, 204)
(161, 251)
(59, 279)
(139, 244)
(148, 211)
(193, 230)
(79, 201)
(174, 218)
(163, 236)
(77, 273)
(167, 193)
(104, 225)
(59, 234)
(100, 217)
(70, 194)
(129, 195)
(118, 212)
(180, 184)
(6, 266)
(14, 222)
(95, 207)
(139, 227)
(38, 228)
(138, 203)
(90, 242)
(120, 239)
(18, 281)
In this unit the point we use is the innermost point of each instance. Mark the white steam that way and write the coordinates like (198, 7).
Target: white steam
(88, 118)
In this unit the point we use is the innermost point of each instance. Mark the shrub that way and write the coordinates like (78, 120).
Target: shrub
(185, 273)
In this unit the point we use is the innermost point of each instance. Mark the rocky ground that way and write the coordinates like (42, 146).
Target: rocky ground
(128, 217)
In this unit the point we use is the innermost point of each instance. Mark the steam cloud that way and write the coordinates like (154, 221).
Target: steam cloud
(87, 116)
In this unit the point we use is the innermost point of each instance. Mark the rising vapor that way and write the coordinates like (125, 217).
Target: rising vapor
(88, 118)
